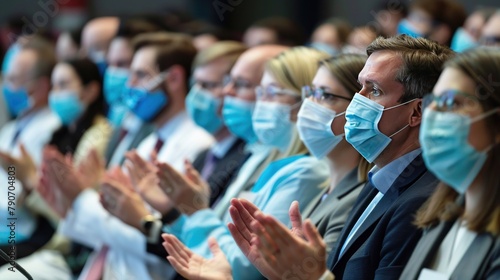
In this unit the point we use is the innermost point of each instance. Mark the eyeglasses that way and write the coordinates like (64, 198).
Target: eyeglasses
(450, 100)
(270, 92)
(208, 85)
(320, 95)
(238, 83)
(489, 40)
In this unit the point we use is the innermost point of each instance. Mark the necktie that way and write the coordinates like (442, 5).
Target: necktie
(97, 268)
(209, 166)
(158, 145)
(123, 133)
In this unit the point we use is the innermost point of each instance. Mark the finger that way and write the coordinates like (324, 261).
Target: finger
(249, 206)
(312, 234)
(264, 244)
(24, 152)
(264, 238)
(241, 241)
(280, 234)
(192, 173)
(214, 247)
(181, 249)
(295, 217)
(240, 222)
(153, 156)
(175, 254)
(182, 270)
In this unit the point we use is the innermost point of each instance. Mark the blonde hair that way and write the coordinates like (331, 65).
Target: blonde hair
(293, 69)
(230, 50)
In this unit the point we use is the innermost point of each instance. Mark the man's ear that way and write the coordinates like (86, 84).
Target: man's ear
(91, 92)
(416, 116)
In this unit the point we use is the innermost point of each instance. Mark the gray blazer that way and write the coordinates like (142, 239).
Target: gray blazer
(330, 214)
(481, 260)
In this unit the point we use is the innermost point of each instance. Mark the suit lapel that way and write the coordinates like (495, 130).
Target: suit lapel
(407, 178)
(480, 248)
(319, 209)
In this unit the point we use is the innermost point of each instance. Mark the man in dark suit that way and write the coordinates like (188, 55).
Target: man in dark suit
(379, 236)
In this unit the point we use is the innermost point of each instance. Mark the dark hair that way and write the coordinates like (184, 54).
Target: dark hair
(393, 6)
(171, 49)
(422, 62)
(67, 140)
(131, 27)
(482, 66)
(198, 27)
(288, 32)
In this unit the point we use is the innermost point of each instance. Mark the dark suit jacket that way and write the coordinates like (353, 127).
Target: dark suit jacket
(330, 214)
(224, 170)
(481, 260)
(144, 131)
(384, 242)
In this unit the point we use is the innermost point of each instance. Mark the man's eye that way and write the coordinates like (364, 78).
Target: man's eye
(375, 92)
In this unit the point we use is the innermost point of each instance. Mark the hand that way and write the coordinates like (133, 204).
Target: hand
(193, 266)
(242, 212)
(92, 169)
(60, 174)
(52, 194)
(26, 170)
(149, 189)
(138, 168)
(279, 247)
(190, 193)
(120, 199)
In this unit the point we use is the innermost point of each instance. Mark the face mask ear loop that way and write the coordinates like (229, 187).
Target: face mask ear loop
(407, 125)
(402, 104)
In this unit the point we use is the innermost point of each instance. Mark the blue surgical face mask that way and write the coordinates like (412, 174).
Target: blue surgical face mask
(143, 103)
(17, 100)
(314, 127)
(271, 122)
(462, 41)
(446, 149)
(67, 106)
(320, 46)
(203, 108)
(405, 27)
(361, 127)
(115, 80)
(237, 116)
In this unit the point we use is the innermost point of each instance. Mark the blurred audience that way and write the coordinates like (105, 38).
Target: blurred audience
(331, 36)
(274, 30)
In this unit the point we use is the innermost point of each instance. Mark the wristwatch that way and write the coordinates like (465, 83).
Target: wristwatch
(147, 223)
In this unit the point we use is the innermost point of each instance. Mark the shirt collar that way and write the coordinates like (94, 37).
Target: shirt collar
(171, 126)
(221, 148)
(383, 178)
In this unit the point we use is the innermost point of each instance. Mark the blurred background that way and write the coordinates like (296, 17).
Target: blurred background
(234, 15)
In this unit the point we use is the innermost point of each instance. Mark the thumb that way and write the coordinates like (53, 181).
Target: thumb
(295, 216)
(191, 172)
(214, 247)
(23, 150)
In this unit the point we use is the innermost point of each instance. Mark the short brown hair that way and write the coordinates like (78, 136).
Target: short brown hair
(422, 62)
(171, 49)
(481, 65)
(46, 57)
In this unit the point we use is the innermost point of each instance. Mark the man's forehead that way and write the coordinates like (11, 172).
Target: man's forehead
(381, 64)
